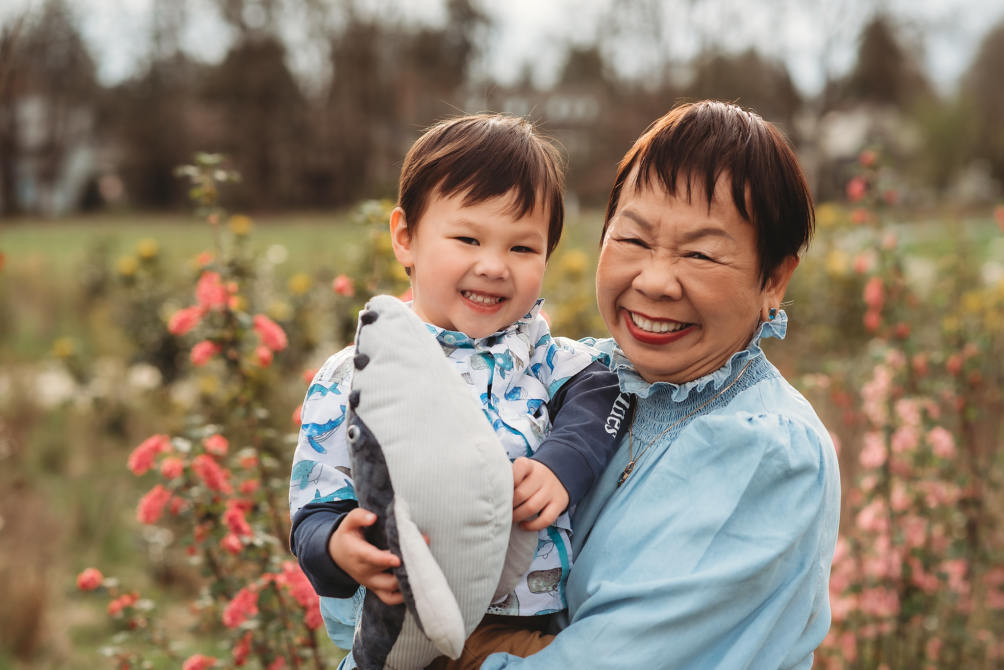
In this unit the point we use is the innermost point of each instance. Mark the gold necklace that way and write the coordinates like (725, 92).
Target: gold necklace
(633, 460)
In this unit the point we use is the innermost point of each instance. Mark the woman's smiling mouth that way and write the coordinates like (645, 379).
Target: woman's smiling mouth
(655, 331)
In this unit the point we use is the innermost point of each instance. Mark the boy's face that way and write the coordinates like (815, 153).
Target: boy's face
(474, 269)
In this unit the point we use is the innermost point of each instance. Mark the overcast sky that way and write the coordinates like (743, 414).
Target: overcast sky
(535, 33)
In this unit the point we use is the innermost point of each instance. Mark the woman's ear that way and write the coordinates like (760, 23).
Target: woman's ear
(400, 238)
(777, 284)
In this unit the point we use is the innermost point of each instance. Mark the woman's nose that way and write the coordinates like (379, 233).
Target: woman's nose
(658, 279)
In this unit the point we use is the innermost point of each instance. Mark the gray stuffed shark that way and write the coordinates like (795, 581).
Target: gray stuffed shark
(425, 461)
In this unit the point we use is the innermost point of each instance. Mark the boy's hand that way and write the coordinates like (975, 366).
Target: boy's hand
(361, 560)
(537, 489)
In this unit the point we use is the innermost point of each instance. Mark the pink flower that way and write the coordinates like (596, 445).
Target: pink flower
(243, 649)
(309, 374)
(171, 468)
(277, 664)
(874, 454)
(899, 499)
(297, 415)
(116, 606)
(142, 457)
(234, 518)
(343, 285)
(249, 460)
(904, 439)
(849, 646)
(216, 445)
(933, 648)
(241, 608)
(175, 506)
(954, 364)
(999, 215)
(856, 188)
(264, 355)
(867, 158)
(151, 506)
(924, 581)
(248, 487)
(860, 216)
(212, 475)
(211, 292)
(203, 352)
(185, 320)
(942, 443)
(199, 662)
(836, 442)
(873, 518)
(293, 579)
(863, 263)
(89, 579)
(232, 544)
(956, 570)
(909, 412)
(874, 293)
(879, 602)
(271, 334)
(872, 320)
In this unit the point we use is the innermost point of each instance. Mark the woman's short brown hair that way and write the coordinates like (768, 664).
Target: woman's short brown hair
(700, 141)
(485, 156)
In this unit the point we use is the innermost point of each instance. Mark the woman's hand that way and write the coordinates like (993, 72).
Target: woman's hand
(361, 560)
(537, 489)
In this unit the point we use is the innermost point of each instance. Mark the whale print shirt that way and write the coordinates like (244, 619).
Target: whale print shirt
(521, 376)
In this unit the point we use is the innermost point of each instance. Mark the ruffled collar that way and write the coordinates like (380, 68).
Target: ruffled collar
(458, 340)
(632, 382)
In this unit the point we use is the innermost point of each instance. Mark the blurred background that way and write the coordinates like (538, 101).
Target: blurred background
(895, 109)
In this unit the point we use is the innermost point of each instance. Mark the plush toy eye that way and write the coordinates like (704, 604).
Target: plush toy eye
(352, 432)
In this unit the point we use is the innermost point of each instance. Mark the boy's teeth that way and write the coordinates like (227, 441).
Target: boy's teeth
(655, 326)
(477, 297)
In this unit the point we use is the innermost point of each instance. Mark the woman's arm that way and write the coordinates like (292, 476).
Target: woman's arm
(716, 556)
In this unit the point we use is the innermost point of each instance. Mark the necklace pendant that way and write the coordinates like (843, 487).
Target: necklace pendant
(624, 475)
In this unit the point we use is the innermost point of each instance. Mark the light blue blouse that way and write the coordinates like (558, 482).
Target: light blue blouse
(716, 551)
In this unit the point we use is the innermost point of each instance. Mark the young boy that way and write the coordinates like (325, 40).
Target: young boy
(479, 213)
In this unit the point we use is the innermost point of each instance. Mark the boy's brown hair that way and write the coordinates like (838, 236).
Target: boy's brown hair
(484, 156)
(696, 143)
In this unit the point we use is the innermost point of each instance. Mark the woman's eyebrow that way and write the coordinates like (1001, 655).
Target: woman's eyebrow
(638, 219)
(708, 231)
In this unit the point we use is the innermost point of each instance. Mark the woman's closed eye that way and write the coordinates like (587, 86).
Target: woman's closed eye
(699, 256)
(636, 241)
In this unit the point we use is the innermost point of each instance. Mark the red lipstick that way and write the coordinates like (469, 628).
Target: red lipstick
(646, 337)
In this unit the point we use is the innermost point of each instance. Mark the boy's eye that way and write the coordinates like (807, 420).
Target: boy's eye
(523, 250)
(468, 240)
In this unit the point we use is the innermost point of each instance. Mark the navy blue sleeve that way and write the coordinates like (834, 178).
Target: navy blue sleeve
(308, 540)
(589, 414)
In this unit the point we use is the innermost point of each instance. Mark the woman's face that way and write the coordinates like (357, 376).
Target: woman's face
(678, 283)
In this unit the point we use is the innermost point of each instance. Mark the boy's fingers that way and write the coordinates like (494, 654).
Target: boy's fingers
(522, 513)
(523, 493)
(521, 467)
(378, 558)
(547, 516)
(381, 581)
(389, 597)
(358, 518)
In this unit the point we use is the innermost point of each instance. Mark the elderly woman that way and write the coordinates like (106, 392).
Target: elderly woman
(708, 541)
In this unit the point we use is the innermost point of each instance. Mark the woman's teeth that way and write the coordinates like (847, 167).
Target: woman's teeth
(480, 298)
(656, 326)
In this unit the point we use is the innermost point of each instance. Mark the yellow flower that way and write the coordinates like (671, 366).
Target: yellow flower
(238, 303)
(950, 324)
(240, 224)
(208, 385)
(280, 311)
(299, 283)
(971, 303)
(837, 262)
(127, 266)
(64, 347)
(573, 263)
(147, 248)
(827, 215)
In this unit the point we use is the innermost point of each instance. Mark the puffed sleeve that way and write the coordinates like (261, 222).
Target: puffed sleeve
(716, 555)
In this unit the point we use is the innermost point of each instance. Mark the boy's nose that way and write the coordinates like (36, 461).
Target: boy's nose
(491, 266)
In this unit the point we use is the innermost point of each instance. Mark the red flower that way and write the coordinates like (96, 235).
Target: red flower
(176, 505)
(142, 457)
(954, 364)
(860, 216)
(309, 374)
(185, 320)
(277, 664)
(243, 649)
(199, 662)
(874, 293)
(867, 158)
(232, 544)
(203, 352)
(212, 475)
(204, 259)
(271, 334)
(293, 579)
(172, 467)
(216, 445)
(248, 487)
(211, 292)
(999, 215)
(249, 460)
(297, 419)
(872, 320)
(89, 579)
(151, 506)
(116, 606)
(241, 608)
(343, 285)
(856, 188)
(234, 518)
(264, 355)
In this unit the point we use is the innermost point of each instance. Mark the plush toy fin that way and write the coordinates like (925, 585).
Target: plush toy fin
(518, 557)
(425, 589)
